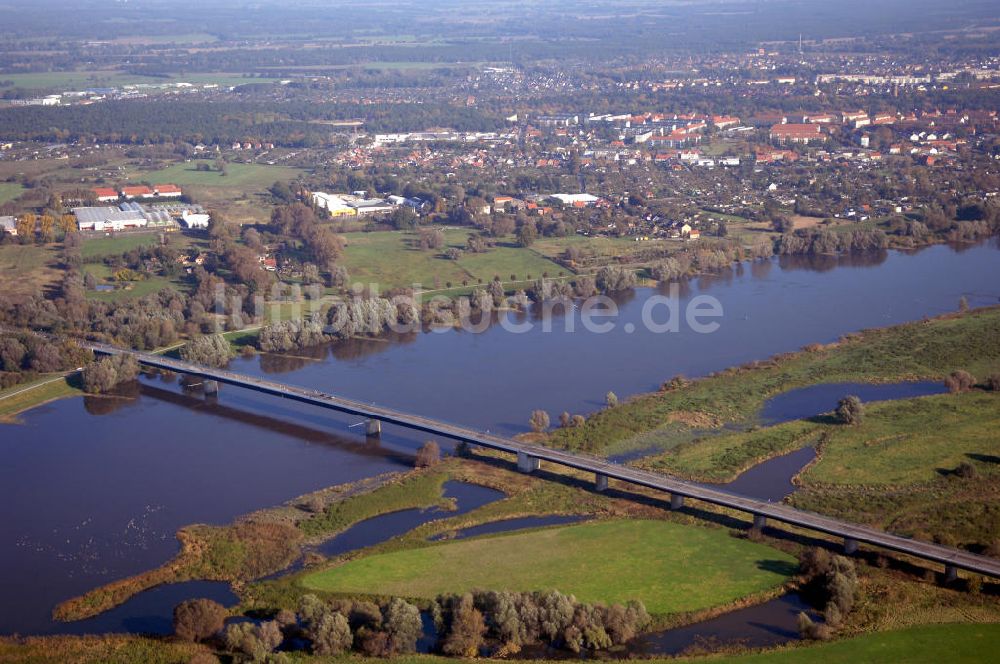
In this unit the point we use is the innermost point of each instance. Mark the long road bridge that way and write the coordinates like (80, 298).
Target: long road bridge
(529, 457)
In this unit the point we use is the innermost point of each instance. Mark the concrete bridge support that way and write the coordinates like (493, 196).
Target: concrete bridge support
(210, 387)
(600, 482)
(759, 521)
(373, 428)
(527, 463)
(850, 546)
(676, 501)
(950, 574)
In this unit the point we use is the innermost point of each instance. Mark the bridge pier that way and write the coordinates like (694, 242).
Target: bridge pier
(676, 501)
(210, 387)
(759, 521)
(373, 428)
(850, 546)
(600, 482)
(527, 463)
(950, 574)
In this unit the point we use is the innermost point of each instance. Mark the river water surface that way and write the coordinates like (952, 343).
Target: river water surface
(92, 490)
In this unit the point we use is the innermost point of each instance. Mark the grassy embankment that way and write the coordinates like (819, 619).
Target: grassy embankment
(609, 562)
(20, 398)
(920, 350)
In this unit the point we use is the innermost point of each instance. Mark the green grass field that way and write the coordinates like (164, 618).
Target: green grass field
(136, 289)
(116, 245)
(9, 191)
(133, 289)
(612, 561)
(920, 350)
(897, 469)
(906, 442)
(390, 260)
(254, 176)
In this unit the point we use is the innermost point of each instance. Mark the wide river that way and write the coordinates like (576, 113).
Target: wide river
(94, 489)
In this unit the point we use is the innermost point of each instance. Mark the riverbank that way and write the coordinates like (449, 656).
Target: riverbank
(685, 410)
(21, 398)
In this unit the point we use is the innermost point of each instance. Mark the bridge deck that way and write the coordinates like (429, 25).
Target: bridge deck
(775, 511)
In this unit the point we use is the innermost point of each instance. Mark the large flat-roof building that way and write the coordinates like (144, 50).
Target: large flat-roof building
(576, 200)
(351, 205)
(335, 205)
(108, 218)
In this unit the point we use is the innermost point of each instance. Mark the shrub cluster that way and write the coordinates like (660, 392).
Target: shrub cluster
(505, 621)
(832, 583)
(212, 350)
(198, 619)
(282, 336)
(466, 625)
(959, 381)
(850, 410)
(103, 375)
